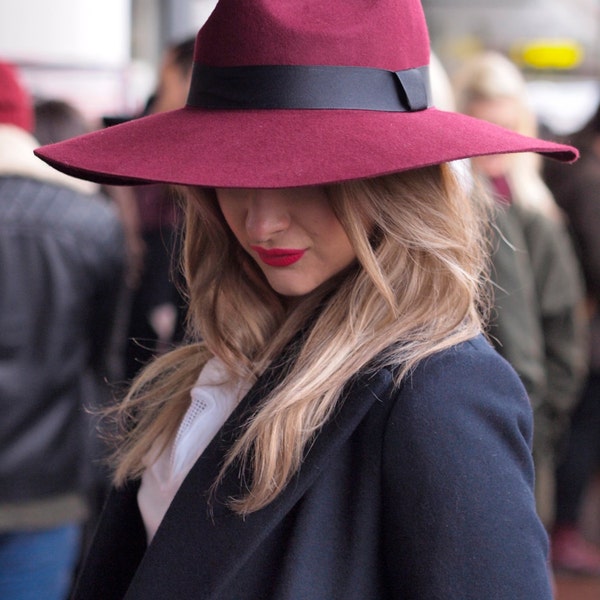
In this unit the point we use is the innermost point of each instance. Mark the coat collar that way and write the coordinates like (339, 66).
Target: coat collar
(17, 159)
(233, 538)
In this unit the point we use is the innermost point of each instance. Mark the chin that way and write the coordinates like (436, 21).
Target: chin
(292, 291)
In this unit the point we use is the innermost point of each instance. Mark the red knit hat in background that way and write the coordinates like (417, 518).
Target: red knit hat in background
(16, 107)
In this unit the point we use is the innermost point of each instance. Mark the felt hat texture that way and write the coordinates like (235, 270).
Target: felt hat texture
(289, 93)
(16, 107)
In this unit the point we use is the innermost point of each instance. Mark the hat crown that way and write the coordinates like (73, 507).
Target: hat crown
(383, 34)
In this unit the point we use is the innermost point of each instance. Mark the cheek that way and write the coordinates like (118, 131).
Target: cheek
(347, 253)
(339, 249)
(333, 245)
(233, 216)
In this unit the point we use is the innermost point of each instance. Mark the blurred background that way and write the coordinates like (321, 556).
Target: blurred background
(555, 42)
(104, 56)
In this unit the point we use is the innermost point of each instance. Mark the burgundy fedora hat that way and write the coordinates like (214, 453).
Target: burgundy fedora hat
(287, 93)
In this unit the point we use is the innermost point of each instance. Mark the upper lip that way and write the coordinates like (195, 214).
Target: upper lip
(272, 252)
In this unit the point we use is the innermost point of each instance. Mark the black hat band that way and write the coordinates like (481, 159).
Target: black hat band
(309, 87)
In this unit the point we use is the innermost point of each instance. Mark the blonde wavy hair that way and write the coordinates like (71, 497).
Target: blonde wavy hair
(418, 286)
(489, 76)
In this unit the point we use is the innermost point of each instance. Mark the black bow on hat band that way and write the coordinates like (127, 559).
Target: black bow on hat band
(309, 87)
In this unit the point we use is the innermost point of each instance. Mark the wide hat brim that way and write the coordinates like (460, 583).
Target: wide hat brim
(282, 148)
(287, 94)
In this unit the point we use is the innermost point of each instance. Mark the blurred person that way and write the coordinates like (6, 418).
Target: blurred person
(61, 261)
(56, 120)
(337, 426)
(158, 308)
(174, 77)
(539, 324)
(578, 194)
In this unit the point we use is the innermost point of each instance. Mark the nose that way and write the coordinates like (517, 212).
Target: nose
(266, 215)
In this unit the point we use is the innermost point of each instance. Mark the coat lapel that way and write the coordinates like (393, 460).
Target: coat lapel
(212, 538)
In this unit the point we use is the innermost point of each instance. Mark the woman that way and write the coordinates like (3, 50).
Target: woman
(541, 280)
(350, 433)
(576, 193)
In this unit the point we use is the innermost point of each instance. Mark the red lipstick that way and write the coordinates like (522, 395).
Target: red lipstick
(278, 257)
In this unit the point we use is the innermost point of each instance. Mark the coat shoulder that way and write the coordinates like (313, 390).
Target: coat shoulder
(469, 383)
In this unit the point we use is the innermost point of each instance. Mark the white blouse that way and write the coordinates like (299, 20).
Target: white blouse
(213, 399)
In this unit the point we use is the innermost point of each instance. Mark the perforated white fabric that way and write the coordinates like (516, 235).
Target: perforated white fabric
(213, 399)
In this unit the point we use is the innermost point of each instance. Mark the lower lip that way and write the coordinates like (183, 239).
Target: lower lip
(280, 260)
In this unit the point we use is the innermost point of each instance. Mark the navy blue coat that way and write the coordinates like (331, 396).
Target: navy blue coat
(422, 492)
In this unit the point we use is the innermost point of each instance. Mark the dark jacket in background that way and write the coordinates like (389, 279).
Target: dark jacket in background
(539, 326)
(538, 323)
(577, 191)
(61, 264)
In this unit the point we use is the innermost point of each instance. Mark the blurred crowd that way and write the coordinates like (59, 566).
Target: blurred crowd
(90, 291)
